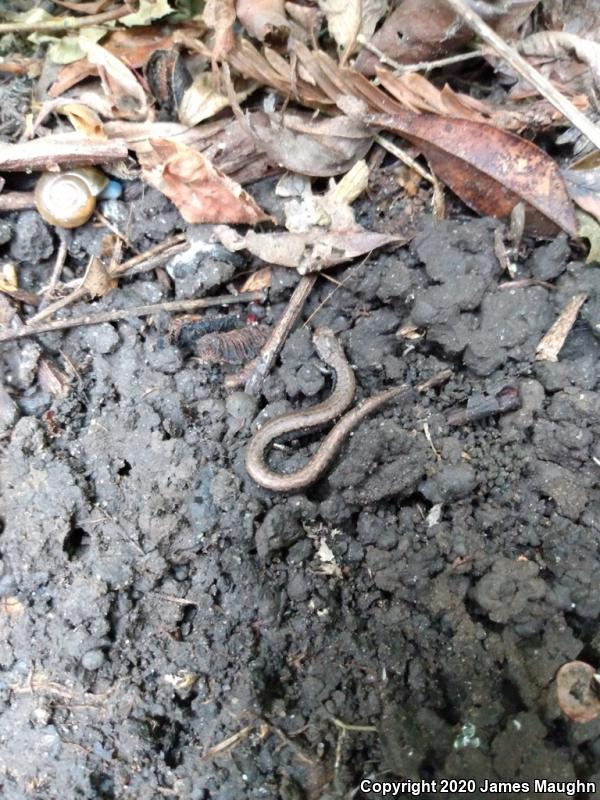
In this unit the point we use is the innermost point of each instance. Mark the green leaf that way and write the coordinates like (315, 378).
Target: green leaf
(66, 49)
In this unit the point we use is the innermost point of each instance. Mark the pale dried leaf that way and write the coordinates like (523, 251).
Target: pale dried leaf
(201, 192)
(147, 12)
(97, 280)
(202, 100)
(307, 252)
(346, 19)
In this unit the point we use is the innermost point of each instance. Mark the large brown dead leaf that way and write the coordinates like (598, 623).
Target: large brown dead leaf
(201, 192)
(319, 148)
(311, 251)
(491, 170)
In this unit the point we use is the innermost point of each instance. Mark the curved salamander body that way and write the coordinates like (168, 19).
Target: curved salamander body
(305, 420)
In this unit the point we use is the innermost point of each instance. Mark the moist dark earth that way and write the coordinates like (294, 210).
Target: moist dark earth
(170, 629)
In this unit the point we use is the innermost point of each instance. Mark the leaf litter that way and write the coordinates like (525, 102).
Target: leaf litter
(299, 92)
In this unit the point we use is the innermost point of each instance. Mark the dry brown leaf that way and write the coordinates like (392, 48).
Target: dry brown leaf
(261, 279)
(97, 281)
(311, 251)
(417, 30)
(121, 87)
(134, 46)
(220, 16)
(318, 148)
(70, 75)
(262, 17)
(51, 379)
(201, 192)
(491, 170)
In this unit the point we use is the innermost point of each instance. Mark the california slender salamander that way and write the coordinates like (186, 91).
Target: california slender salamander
(304, 420)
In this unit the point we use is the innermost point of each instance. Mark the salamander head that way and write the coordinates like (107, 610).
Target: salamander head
(327, 345)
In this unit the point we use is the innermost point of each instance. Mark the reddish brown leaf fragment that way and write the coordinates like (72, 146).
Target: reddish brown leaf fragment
(201, 192)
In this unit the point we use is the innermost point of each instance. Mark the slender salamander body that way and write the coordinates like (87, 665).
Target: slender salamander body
(304, 420)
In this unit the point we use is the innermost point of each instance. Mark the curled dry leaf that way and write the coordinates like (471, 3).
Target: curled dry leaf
(577, 691)
(346, 19)
(319, 148)
(311, 251)
(201, 192)
(121, 87)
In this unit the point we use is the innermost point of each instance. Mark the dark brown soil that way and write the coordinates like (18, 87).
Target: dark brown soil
(157, 602)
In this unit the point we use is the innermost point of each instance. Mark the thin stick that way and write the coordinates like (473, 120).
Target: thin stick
(61, 257)
(130, 265)
(61, 150)
(279, 333)
(16, 201)
(551, 343)
(420, 65)
(404, 157)
(135, 311)
(518, 63)
(65, 23)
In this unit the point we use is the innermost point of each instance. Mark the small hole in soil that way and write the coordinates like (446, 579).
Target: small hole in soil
(76, 543)
(104, 786)
(125, 469)
(2, 525)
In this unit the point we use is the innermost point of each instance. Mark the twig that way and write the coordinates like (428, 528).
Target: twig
(65, 23)
(420, 65)
(518, 63)
(179, 241)
(551, 343)
(135, 311)
(16, 201)
(279, 334)
(50, 152)
(404, 157)
(58, 264)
